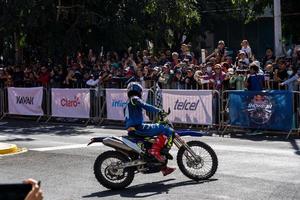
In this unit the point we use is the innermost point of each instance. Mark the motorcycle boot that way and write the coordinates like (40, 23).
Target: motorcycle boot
(157, 146)
(167, 170)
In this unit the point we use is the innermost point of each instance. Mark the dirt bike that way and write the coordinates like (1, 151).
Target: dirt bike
(116, 169)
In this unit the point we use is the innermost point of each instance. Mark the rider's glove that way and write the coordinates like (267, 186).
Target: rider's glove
(162, 113)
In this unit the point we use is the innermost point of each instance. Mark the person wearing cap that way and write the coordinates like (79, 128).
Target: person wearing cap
(189, 80)
(242, 57)
(246, 48)
(218, 77)
(165, 77)
(206, 80)
(175, 59)
(177, 81)
(226, 83)
(218, 52)
(255, 82)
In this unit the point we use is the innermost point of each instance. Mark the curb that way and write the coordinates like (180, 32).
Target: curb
(6, 148)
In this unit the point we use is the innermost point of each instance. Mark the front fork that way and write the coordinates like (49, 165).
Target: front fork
(179, 143)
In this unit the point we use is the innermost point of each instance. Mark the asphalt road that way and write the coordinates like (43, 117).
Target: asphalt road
(249, 167)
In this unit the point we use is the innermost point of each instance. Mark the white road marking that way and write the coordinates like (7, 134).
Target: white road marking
(72, 146)
(225, 148)
(253, 150)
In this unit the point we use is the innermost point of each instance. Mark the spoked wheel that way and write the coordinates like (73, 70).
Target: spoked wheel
(108, 172)
(202, 165)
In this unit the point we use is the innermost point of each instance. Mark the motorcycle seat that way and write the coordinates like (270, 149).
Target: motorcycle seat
(133, 133)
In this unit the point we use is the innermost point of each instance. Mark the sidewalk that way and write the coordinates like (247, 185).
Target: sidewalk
(6, 148)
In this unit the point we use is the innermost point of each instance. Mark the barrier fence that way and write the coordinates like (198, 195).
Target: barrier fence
(267, 110)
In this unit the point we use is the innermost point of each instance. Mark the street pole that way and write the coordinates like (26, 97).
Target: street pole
(277, 28)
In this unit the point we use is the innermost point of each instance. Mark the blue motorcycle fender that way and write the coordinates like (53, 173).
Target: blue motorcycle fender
(191, 133)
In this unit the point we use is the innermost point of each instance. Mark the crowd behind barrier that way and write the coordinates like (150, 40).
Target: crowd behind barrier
(181, 70)
(178, 69)
(206, 108)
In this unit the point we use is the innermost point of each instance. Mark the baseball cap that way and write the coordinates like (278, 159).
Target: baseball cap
(221, 42)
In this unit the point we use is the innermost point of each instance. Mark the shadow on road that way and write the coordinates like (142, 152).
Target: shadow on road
(270, 137)
(295, 146)
(147, 189)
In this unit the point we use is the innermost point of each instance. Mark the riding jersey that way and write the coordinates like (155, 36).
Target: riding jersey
(134, 111)
(134, 118)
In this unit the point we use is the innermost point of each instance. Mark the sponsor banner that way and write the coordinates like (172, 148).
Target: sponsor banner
(188, 106)
(73, 103)
(116, 100)
(25, 101)
(261, 110)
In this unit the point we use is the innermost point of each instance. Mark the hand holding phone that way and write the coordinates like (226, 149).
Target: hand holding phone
(16, 191)
(36, 192)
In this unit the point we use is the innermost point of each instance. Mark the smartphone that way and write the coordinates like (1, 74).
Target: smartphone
(17, 191)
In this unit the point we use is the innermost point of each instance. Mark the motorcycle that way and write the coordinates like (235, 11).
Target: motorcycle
(116, 169)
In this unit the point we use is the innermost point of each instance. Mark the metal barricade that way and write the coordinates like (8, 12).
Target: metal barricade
(224, 125)
(1, 103)
(296, 113)
(5, 107)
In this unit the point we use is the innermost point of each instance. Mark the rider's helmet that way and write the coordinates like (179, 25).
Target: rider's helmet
(134, 89)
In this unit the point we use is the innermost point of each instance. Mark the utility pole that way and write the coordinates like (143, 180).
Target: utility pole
(277, 28)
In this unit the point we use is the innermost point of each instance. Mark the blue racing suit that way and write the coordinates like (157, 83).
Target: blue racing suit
(134, 118)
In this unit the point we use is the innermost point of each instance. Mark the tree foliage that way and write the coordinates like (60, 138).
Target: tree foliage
(65, 26)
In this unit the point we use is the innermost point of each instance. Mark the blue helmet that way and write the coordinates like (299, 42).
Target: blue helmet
(134, 89)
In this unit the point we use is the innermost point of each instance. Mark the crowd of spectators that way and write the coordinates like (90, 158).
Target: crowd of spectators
(171, 70)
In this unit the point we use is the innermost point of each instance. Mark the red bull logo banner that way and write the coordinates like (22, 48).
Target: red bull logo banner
(261, 110)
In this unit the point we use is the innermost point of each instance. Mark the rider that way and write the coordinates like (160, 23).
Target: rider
(134, 122)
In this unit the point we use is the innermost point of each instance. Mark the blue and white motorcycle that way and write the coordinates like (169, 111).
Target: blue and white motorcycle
(116, 169)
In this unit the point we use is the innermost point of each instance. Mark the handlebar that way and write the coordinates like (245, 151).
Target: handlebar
(164, 114)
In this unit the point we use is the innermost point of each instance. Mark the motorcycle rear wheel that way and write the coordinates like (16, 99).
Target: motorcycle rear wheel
(197, 169)
(109, 176)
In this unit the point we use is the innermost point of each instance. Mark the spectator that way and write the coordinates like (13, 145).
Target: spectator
(269, 76)
(175, 59)
(206, 80)
(237, 80)
(56, 77)
(292, 81)
(281, 73)
(226, 83)
(246, 48)
(269, 57)
(29, 79)
(70, 79)
(163, 59)
(165, 77)
(243, 58)
(218, 77)
(296, 56)
(43, 76)
(178, 82)
(18, 77)
(255, 82)
(189, 80)
(3, 78)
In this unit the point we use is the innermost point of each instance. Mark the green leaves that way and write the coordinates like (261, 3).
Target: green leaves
(66, 26)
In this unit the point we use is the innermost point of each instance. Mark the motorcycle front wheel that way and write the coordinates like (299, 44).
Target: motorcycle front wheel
(108, 172)
(200, 166)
